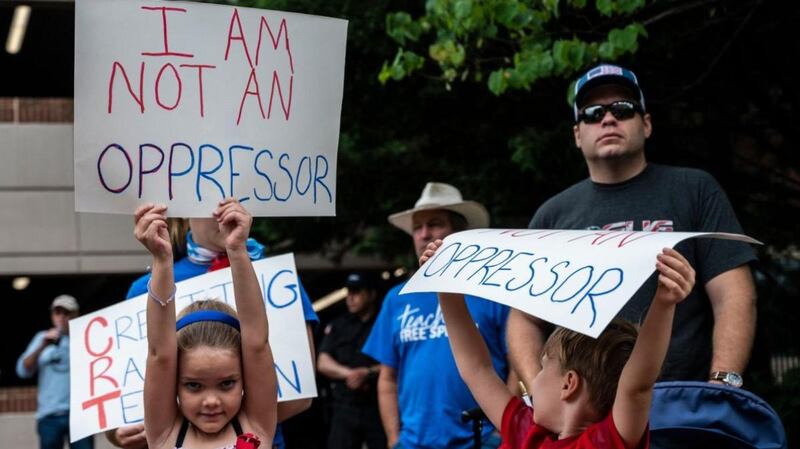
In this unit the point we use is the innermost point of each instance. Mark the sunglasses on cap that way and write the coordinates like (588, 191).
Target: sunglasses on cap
(621, 110)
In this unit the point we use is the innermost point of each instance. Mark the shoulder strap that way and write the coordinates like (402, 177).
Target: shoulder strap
(236, 426)
(182, 433)
(185, 427)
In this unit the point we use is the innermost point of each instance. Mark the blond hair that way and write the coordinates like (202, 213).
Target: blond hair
(178, 228)
(598, 362)
(209, 333)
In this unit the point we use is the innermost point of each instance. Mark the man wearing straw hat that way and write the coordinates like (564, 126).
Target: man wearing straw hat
(420, 393)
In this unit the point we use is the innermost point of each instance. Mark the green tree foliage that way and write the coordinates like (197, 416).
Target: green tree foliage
(713, 73)
(509, 153)
(510, 44)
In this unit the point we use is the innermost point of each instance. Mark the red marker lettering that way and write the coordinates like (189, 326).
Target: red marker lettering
(166, 51)
(102, 375)
(158, 84)
(247, 92)
(200, 68)
(140, 99)
(100, 403)
(282, 31)
(286, 106)
(240, 37)
(103, 322)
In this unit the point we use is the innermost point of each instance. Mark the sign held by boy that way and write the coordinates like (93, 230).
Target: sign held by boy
(592, 392)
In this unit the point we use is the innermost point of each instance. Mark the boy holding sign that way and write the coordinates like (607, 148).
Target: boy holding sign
(590, 393)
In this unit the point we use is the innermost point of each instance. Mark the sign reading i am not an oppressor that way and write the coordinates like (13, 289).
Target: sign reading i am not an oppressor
(575, 279)
(185, 104)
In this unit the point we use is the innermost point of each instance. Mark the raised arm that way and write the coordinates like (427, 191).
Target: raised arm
(631, 409)
(470, 352)
(28, 362)
(160, 408)
(260, 397)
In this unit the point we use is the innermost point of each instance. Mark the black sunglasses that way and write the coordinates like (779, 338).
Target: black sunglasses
(621, 110)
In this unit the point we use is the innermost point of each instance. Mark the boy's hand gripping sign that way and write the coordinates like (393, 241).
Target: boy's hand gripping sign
(575, 279)
(185, 104)
(108, 348)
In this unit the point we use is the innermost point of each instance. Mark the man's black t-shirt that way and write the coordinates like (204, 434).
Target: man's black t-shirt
(662, 199)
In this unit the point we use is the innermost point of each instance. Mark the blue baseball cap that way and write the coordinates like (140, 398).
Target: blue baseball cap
(602, 75)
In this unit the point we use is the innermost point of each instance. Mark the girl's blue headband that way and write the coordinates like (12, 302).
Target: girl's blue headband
(207, 315)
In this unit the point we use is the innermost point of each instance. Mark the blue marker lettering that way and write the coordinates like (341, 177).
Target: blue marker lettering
(290, 287)
(486, 266)
(138, 417)
(172, 174)
(205, 173)
(307, 161)
(295, 385)
(476, 258)
(503, 268)
(591, 294)
(100, 170)
(264, 175)
(121, 333)
(579, 270)
(131, 367)
(318, 178)
(288, 175)
(555, 277)
(142, 171)
(234, 173)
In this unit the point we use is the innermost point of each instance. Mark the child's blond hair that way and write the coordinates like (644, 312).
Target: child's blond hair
(178, 228)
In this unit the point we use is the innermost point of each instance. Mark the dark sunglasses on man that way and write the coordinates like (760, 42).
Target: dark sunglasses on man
(621, 110)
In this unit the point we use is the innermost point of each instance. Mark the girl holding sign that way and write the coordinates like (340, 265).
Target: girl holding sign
(213, 355)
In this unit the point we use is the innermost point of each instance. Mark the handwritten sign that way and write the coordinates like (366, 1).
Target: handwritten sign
(184, 104)
(109, 349)
(575, 279)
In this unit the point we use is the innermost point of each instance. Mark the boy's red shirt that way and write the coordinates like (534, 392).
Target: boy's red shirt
(520, 432)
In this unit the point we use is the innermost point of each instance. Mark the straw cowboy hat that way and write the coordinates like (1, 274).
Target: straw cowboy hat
(437, 195)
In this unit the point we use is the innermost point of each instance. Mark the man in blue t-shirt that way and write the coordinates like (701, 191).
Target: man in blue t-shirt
(420, 393)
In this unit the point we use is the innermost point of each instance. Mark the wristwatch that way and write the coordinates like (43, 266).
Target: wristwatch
(730, 378)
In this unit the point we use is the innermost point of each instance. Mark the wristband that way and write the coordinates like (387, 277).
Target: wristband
(160, 302)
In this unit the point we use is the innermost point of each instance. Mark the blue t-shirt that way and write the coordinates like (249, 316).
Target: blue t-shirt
(186, 269)
(409, 335)
(53, 369)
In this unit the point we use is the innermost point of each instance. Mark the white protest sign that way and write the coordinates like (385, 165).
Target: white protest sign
(108, 348)
(575, 279)
(186, 103)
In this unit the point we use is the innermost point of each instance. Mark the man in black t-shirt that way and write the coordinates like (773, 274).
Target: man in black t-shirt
(355, 418)
(714, 327)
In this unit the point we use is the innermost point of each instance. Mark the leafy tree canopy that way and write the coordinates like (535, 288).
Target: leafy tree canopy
(714, 74)
(510, 44)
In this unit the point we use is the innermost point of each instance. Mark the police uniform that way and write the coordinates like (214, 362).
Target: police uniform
(355, 417)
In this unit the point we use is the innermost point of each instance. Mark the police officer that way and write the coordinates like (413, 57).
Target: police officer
(355, 418)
